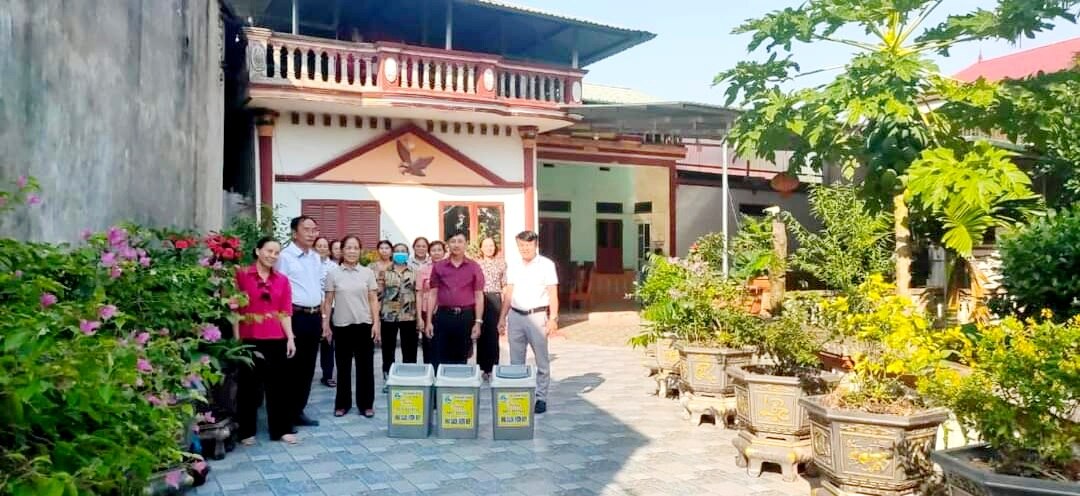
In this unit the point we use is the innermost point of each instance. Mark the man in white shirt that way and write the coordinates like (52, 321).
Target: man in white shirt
(530, 310)
(302, 265)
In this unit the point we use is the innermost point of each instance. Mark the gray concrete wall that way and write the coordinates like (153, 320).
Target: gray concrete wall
(699, 211)
(116, 107)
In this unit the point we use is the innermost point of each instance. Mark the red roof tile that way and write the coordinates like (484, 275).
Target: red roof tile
(1048, 59)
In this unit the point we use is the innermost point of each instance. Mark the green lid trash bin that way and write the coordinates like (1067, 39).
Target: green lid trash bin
(513, 393)
(409, 400)
(457, 400)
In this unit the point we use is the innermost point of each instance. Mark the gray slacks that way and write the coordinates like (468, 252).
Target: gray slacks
(525, 331)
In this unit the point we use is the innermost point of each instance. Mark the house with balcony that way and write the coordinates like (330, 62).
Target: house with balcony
(406, 118)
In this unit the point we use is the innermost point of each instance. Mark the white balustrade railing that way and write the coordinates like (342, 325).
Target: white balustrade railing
(306, 62)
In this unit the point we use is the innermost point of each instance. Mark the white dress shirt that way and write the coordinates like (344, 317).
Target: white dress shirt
(531, 280)
(305, 271)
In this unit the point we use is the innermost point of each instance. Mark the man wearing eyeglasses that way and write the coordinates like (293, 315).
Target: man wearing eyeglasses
(304, 268)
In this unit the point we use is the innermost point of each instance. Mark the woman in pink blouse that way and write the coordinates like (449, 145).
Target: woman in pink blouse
(426, 298)
(266, 327)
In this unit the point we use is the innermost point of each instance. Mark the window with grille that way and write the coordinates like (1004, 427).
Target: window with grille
(340, 218)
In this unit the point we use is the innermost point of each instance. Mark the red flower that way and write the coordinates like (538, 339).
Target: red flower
(181, 244)
(228, 253)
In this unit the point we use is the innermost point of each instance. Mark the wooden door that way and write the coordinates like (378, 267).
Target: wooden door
(555, 244)
(609, 246)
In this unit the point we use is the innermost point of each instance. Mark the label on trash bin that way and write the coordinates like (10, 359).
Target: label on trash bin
(513, 409)
(457, 411)
(407, 407)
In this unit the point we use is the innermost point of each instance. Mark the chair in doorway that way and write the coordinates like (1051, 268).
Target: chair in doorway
(580, 285)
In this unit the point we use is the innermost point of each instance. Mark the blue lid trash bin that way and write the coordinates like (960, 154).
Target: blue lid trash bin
(457, 400)
(513, 394)
(408, 400)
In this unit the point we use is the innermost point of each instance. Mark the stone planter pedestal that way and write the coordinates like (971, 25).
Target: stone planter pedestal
(773, 425)
(964, 478)
(871, 454)
(703, 369)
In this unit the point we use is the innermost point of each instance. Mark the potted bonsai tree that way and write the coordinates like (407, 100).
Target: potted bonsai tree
(1022, 396)
(772, 424)
(873, 433)
(660, 311)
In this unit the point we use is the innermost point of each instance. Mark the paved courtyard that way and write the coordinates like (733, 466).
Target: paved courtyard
(603, 434)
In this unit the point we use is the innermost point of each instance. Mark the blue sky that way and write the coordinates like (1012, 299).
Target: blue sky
(694, 41)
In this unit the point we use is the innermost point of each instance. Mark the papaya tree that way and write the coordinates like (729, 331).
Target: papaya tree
(877, 114)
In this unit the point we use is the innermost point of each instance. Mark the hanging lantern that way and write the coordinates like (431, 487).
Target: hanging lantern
(785, 183)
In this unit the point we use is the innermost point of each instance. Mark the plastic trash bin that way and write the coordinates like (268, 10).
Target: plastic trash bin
(513, 393)
(457, 396)
(409, 400)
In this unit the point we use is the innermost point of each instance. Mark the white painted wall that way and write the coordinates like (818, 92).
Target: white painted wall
(699, 211)
(299, 148)
(408, 211)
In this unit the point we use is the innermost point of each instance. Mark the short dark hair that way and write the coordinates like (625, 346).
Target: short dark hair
(527, 236)
(438, 243)
(386, 242)
(458, 233)
(346, 239)
(294, 224)
(419, 239)
(403, 245)
(496, 243)
(261, 243)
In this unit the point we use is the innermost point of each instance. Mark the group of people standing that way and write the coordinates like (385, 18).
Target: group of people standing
(314, 297)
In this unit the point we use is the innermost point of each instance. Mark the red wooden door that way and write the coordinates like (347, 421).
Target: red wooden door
(609, 246)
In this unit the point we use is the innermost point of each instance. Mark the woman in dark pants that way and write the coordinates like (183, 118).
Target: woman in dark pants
(325, 249)
(266, 325)
(494, 267)
(353, 293)
(436, 252)
(397, 302)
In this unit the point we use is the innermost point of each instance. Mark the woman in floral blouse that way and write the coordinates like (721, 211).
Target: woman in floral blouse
(494, 268)
(397, 295)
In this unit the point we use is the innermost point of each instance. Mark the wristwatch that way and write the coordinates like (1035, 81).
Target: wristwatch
(479, 321)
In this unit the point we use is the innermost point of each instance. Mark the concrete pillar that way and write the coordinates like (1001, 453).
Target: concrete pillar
(528, 142)
(209, 206)
(264, 122)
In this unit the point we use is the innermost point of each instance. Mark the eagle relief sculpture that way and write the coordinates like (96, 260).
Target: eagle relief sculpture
(409, 165)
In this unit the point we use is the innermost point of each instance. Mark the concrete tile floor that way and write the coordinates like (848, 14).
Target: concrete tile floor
(604, 434)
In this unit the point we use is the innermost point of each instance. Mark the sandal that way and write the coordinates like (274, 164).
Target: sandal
(340, 412)
(290, 439)
(248, 441)
(369, 413)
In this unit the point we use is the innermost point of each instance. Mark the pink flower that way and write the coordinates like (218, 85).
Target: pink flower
(209, 418)
(218, 266)
(205, 359)
(199, 466)
(172, 479)
(21, 182)
(85, 234)
(144, 366)
(140, 252)
(107, 312)
(18, 274)
(233, 305)
(108, 259)
(33, 199)
(154, 400)
(144, 261)
(211, 333)
(142, 338)
(47, 300)
(191, 379)
(117, 235)
(115, 272)
(128, 252)
(205, 261)
(89, 327)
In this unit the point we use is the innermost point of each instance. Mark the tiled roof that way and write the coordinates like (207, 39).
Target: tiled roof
(597, 93)
(544, 13)
(1045, 59)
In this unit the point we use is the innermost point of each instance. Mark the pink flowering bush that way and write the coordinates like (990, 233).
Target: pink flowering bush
(100, 345)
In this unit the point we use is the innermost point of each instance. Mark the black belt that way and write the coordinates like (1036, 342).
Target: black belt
(455, 310)
(529, 312)
(314, 309)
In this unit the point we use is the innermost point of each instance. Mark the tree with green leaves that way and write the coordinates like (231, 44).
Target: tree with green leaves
(877, 114)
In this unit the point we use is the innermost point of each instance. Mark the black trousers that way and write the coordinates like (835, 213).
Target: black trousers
(426, 348)
(307, 327)
(487, 347)
(452, 335)
(354, 344)
(409, 336)
(265, 375)
(326, 358)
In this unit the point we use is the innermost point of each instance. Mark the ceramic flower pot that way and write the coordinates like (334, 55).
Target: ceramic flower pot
(964, 477)
(769, 404)
(868, 453)
(667, 354)
(704, 369)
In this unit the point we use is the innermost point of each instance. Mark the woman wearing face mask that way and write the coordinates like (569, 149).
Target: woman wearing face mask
(398, 303)
(436, 252)
(420, 256)
(265, 325)
(353, 293)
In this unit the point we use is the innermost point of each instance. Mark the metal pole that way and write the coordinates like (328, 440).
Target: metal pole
(725, 194)
(449, 24)
(295, 17)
